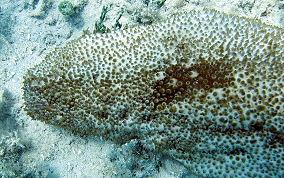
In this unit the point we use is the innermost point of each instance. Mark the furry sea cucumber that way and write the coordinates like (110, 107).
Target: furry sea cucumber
(203, 87)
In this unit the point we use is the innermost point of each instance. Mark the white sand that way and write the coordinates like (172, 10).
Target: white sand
(32, 28)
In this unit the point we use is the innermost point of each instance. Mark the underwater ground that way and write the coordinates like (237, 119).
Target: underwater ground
(29, 30)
